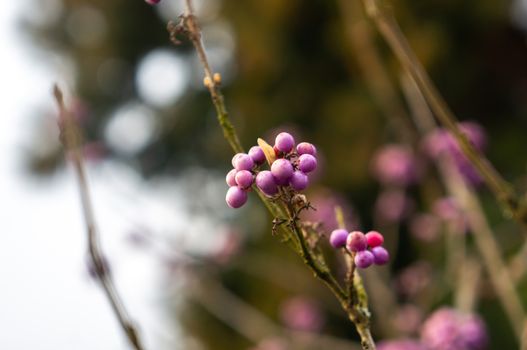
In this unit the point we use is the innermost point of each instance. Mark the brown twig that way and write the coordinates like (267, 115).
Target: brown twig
(191, 27)
(71, 140)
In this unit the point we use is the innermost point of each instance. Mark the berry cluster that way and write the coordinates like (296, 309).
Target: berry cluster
(358, 243)
(289, 168)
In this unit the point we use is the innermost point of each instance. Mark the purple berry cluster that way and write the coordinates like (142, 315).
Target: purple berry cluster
(289, 168)
(358, 243)
(449, 329)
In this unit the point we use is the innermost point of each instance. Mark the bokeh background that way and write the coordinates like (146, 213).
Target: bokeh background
(156, 160)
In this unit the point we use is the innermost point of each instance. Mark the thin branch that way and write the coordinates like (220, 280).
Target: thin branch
(389, 29)
(71, 139)
(211, 80)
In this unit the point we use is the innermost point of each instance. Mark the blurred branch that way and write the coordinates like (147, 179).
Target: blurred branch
(483, 236)
(375, 74)
(389, 29)
(250, 322)
(71, 140)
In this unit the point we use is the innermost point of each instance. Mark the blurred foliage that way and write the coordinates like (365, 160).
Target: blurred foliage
(292, 66)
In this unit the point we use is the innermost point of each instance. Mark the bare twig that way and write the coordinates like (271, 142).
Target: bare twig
(71, 139)
(191, 26)
(389, 29)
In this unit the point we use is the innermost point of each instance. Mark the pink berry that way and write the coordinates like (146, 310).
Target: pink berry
(299, 181)
(257, 155)
(364, 259)
(244, 179)
(243, 161)
(282, 170)
(284, 142)
(356, 241)
(306, 148)
(235, 158)
(380, 255)
(374, 239)
(307, 163)
(338, 237)
(266, 183)
(230, 178)
(236, 197)
(152, 2)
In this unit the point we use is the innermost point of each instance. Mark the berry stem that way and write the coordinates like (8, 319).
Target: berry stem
(72, 143)
(391, 32)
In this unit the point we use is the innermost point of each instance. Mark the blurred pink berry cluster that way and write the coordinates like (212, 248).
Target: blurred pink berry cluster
(445, 329)
(289, 168)
(358, 243)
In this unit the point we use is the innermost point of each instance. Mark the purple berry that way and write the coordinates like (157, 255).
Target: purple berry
(356, 241)
(236, 197)
(381, 255)
(284, 142)
(338, 237)
(152, 2)
(450, 329)
(306, 148)
(374, 239)
(244, 179)
(282, 170)
(257, 155)
(307, 163)
(230, 178)
(299, 181)
(266, 183)
(363, 259)
(242, 161)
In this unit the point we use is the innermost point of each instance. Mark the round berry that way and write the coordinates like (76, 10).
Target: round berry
(236, 197)
(230, 178)
(381, 255)
(306, 148)
(266, 183)
(307, 163)
(235, 158)
(299, 181)
(363, 259)
(257, 155)
(356, 241)
(153, 2)
(284, 142)
(374, 239)
(338, 237)
(242, 161)
(282, 170)
(244, 179)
